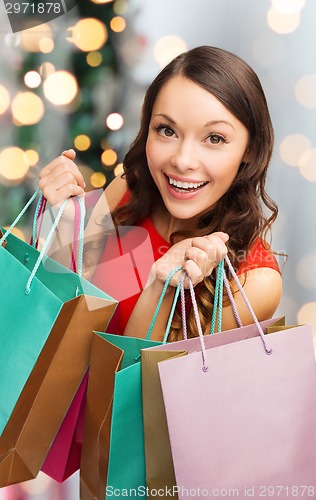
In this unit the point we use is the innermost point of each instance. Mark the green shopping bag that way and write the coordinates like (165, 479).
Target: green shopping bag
(47, 317)
(113, 456)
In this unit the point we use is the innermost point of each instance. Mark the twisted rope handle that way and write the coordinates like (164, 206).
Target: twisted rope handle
(198, 324)
(183, 307)
(45, 246)
(39, 211)
(50, 235)
(232, 300)
(14, 223)
(154, 318)
(267, 349)
(78, 230)
(218, 299)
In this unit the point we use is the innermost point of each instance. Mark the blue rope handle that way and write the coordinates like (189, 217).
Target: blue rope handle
(81, 230)
(34, 226)
(154, 318)
(218, 299)
(45, 246)
(14, 223)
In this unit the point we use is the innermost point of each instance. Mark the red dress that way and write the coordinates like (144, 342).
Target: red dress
(128, 257)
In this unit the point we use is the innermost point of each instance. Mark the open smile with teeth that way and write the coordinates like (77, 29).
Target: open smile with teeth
(185, 187)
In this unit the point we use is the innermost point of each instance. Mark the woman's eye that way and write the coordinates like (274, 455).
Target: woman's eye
(216, 139)
(165, 131)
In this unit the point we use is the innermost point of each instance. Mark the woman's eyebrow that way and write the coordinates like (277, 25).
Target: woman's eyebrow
(216, 122)
(166, 117)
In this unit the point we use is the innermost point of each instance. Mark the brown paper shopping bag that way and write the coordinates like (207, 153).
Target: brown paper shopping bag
(47, 317)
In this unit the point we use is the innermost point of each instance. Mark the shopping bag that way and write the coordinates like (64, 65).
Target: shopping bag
(113, 457)
(242, 415)
(159, 465)
(63, 458)
(47, 317)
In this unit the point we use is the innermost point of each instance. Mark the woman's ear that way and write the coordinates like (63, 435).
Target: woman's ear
(247, 156)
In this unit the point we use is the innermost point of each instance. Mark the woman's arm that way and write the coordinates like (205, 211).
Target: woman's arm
(263, 287)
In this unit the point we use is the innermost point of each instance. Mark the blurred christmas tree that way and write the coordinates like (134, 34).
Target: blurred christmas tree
(61, 87)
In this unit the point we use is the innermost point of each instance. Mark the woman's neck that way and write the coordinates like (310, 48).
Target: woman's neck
(165, 224)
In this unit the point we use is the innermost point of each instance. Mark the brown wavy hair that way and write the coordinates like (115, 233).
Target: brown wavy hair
(241, 212)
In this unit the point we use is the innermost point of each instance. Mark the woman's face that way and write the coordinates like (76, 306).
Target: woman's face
(194, 147)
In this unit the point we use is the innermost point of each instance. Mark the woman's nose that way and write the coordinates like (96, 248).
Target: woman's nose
(185, 156)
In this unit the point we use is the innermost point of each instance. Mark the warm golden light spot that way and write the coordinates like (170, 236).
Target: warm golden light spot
(283, 23)
(168, 47)
(94, 58)
(60, 88)
(108, 157)
(118, 24)
(114, 121)
(98, 179)
(27, 108)
(30, 39)
(119, 169)
(4, 99)
(88, 34)
(292, 147)
(13, 166)
(305, 91)
(32, 79)
(46, 45)
(82, 142)
(31, 157)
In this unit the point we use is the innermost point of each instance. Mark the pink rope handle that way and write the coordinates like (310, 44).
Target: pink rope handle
(183, 307)
(77, 219)
(198, 324)
(232, 301)
(39, 221)
(196, 316)
(244, 296)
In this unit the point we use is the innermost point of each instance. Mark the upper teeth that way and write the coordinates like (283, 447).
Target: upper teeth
(185, 185)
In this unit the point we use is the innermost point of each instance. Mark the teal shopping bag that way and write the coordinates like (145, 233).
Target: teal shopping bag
(47, 316)
(113, 456)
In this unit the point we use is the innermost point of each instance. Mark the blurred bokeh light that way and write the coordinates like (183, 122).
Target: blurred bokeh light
(88, 34)
(60, 87)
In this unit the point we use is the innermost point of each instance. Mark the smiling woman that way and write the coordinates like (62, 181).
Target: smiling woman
(194, 179)
(183, 147)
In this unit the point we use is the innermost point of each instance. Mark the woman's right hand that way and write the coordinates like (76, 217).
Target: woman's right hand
(61, 179)
(198, 256)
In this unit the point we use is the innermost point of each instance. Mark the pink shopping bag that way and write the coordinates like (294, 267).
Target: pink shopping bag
(63, 458)
(242, 420)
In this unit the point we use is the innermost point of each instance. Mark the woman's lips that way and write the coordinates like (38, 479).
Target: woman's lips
(184, 189)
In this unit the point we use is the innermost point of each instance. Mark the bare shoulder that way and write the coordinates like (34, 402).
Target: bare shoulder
(115, 191)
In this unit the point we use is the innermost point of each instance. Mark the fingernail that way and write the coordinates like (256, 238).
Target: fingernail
(84, 184)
